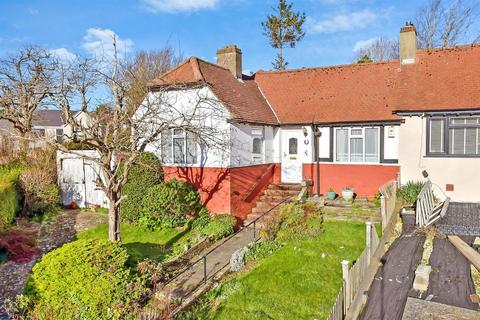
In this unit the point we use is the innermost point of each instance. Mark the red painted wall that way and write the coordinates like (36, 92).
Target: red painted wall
(224, 189)
(365, 179)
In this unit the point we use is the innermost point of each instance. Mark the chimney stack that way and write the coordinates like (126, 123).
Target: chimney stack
(408, 43)
(230, 57)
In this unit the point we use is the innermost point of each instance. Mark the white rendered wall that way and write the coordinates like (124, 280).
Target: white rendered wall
(463, 173)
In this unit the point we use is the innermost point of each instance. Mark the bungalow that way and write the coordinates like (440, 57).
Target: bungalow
(357, 125)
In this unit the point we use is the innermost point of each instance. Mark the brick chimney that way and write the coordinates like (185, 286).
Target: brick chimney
(408, 43)
(230, 57)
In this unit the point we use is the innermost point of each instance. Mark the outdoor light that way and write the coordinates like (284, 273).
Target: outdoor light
(305, 132)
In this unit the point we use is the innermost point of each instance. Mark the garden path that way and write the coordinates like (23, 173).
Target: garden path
(216, 260)
(50, 235)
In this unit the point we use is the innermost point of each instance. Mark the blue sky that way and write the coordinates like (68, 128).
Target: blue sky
(199, 27)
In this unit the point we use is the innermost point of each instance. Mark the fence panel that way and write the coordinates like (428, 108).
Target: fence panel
(338, 310)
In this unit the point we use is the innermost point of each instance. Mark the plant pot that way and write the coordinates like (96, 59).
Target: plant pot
(331, 195)
(347, 195)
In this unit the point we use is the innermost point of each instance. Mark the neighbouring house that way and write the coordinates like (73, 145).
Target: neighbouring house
(357, 125)
(46, 124)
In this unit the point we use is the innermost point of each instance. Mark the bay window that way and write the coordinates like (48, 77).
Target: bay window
(357, 145)
(453, 136)
(178, 146)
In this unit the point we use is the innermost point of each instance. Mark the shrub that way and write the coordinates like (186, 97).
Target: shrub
(18, 246)
(295, 221)
(85, 279)
(40, 192)
(221, 226)
(261, 250)
(168, 204)
(409, 191)
(144, 174)
(9, 195)
(202, 220)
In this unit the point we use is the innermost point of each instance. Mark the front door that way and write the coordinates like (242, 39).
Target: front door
(291, 156)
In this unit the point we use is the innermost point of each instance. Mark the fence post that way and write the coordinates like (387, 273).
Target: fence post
(346, 283)
(205, 269)
(369, 241)
(383, 209)
(398, 179)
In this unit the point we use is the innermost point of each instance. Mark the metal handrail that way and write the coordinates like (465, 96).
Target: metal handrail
(204, 256)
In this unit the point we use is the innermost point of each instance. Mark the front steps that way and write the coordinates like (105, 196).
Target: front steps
(273, 195)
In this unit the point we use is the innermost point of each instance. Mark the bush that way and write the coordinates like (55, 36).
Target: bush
(144, 174)
(202, 220)
(409, 191)
(295, 221)
(18, 246)
(9, 195)
(85, 279)
(261, 250)
(40, 192)
(220, 226)
(169, 204)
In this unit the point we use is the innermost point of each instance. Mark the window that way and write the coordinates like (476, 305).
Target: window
(292, 146)
(357, 145)
(59, 135)
(178, 146)
(38, 132)
(453, 136)
(257, 145)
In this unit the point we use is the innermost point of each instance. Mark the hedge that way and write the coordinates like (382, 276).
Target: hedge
(146, 173)
(9, 195)
(85, 279)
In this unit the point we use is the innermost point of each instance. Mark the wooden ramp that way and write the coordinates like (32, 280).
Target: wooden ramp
(471, 254)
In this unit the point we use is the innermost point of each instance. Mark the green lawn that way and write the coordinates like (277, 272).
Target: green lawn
(142, 243)
(295, 282)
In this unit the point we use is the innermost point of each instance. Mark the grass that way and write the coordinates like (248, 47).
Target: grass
(295, 282)
(143, 243)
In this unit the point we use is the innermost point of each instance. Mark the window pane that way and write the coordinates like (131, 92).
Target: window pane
(257, 146)
(356, 149)
(191, 148)
(457, 141)
(177, 132)
(166, 142)
(457, 120)
(436, 135)
(341, 145)
(178, 150)
(371, 145)
(292, 146)
(470, 141)
(59, 135)
(356, 132)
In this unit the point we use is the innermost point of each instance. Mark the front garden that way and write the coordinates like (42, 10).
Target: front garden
(295, 273)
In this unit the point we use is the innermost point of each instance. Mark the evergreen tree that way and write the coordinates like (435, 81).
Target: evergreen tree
(283, 28)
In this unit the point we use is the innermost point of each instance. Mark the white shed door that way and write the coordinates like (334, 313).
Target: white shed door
(291, 158)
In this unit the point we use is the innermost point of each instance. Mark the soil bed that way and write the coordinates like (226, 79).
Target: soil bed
(451, 281)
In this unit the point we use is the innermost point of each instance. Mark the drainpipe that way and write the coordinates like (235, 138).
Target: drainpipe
(316, 135)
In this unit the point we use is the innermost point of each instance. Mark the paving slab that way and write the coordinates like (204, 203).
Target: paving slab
(420, 309)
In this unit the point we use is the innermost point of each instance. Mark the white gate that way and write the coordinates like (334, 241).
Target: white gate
(79, 178)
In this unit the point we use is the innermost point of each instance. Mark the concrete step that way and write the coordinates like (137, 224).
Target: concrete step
(285, 193)
(261, 210)
(285, 186)
(272, 199)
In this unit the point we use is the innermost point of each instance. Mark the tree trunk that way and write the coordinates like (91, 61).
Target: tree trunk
(23, 147)
(113, 219)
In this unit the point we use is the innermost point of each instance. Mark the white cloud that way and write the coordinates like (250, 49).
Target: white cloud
(33, 11)
(172, 6)
(63, 54)
(344, 22)
(99, 42)
(359, 45)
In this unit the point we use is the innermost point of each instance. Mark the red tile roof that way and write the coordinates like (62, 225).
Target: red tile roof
(242, 97)
(441, 79)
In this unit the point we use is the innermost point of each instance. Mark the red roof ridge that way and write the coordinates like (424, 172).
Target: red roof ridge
(450, 48)
(339, 66)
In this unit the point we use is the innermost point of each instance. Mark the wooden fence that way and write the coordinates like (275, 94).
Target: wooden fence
(428, 208)
(354, 277)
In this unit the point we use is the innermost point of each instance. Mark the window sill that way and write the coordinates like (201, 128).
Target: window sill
(451, 156)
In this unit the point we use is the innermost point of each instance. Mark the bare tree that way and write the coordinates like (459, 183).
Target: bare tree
(441, 24)
(381, 49)
(146, 66)
(119, 135)
(25, 86)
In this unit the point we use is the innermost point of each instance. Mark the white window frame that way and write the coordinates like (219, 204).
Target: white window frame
(258, 132)
(350, 136)
(173, 136)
